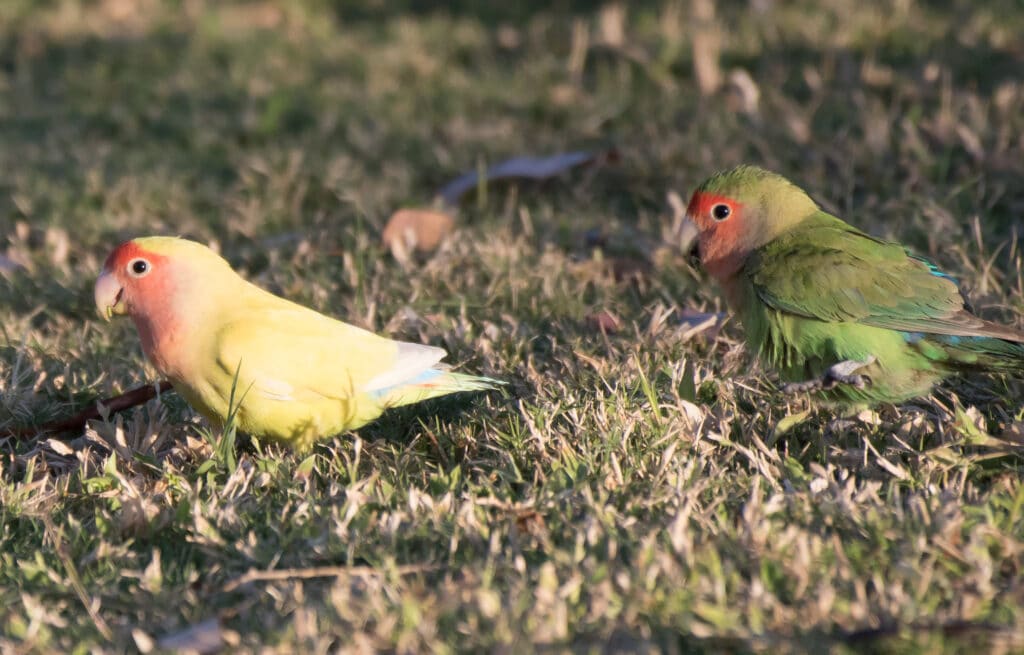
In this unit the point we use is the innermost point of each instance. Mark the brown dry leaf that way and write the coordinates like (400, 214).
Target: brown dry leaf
(693, 415)
(8, 265)
(745, 94)
(410, 231)
(693, 322)
(605, 321)
(139, 515)
(59, 447)
(205, 637)
(1014, 433)
(531, 522)
(59, 244)
(632, 269)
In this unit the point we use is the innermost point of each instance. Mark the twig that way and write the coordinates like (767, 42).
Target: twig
(119, 403)
(956, 628)
(255, 575)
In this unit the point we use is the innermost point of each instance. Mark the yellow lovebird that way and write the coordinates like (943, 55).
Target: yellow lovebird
(297, 375)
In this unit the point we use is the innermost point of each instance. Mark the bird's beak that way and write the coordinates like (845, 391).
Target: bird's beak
(108, 295)
(688, 241)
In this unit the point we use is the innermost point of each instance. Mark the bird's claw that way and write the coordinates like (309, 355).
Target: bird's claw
(840, 373)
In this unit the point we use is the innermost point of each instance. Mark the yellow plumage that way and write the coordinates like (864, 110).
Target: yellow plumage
(296, 375)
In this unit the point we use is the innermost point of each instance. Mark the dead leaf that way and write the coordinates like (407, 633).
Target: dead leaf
(971, 142)
(531, 522)
(508, 37)
(60, 447)
(693, 413)
(531, 168)
(8, 265)
(59, 243)
(632, 269)
(612, 23)
(1014, 433)
(893, 469)
(746, 92)
(202, 638)
(139, 515)
(876, 74)
(411, 231)
(693, 322)
(605, 321)
(143, 641)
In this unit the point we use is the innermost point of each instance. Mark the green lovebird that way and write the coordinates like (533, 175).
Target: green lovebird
(847, 316)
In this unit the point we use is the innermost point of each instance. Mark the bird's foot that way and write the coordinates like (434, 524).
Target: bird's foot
(842, 373)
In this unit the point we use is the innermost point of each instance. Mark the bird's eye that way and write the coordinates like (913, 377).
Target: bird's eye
(721, 212)
(138, 267)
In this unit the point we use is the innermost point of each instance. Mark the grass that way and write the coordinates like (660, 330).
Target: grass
(647, 489)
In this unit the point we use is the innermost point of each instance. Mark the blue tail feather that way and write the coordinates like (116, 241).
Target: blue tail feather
(422, 378)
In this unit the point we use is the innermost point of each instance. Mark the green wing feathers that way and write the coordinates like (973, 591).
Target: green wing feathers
(833, 272)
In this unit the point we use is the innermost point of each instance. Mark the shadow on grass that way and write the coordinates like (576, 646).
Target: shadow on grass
(444, 415)
(945, 637)
(490, 13)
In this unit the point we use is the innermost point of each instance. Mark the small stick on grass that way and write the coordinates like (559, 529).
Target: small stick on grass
(256, 575)
(119, 403)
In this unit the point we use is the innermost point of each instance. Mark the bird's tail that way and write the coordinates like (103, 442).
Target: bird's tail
(433, 383)
(981, 352)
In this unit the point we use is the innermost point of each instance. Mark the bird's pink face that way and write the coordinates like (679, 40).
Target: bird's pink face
(132, 280)
(721, 232)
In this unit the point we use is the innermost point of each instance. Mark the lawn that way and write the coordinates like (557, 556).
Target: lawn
(641, 484)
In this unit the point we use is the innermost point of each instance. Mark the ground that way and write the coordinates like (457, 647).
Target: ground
(641, 484)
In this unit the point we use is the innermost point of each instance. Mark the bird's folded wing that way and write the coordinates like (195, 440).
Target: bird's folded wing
(836, 274)
(297, 354)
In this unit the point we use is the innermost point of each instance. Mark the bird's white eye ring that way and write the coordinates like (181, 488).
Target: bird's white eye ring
(139, 267)
(721, 211)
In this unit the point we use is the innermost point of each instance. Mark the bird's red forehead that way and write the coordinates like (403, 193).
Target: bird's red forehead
(126, 252)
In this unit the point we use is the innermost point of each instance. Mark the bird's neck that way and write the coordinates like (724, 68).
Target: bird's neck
(172, 327)
(165, 343)
(737, 292)
(722, 261)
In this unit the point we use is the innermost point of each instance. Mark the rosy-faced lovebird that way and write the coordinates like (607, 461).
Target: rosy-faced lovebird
(294, 375)
(853, 318)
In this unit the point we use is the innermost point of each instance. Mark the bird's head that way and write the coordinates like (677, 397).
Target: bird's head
(154, 275)
(739, 210)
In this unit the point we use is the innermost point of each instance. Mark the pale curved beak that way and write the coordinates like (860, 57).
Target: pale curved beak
(689, 241)
(108, 294)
